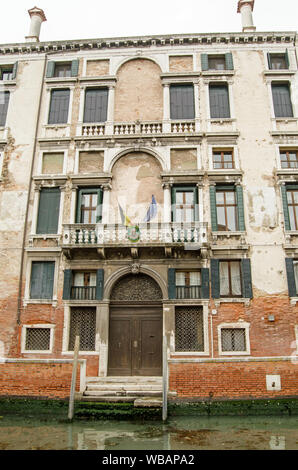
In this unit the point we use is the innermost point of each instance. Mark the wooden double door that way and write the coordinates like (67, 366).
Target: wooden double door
(135, 341)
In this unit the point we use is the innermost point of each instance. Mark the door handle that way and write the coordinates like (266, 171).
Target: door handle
(135, 344)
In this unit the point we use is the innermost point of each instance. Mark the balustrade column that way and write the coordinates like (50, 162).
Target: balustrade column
(110, 112)
(166, 109)
(106, 203)
(167, 203)
(197, 106)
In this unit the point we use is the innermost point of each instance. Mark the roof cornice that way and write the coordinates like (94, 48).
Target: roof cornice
(147, 41)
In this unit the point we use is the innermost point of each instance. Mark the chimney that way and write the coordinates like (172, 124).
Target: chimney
(245, 7)
(37, 17)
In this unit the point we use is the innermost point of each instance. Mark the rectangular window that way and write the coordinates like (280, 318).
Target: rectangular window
(59, 107)
(42, 279)
(289, 159)
(219, 101)
(278, 61)
(226, 210)
(83, 324)
(233, 339)
(282, 100)
(4, 100)
(188, 285)
(184, 202)
(96, 105)
(189, 329)
(216, 62)
(89, 209)
(62, 70)
(6, 73)
(48, 211)
(84, 286)
(38, 339)
(230, 279)
(223, 159)
(182, 104)
(292, 199)
(52, 163)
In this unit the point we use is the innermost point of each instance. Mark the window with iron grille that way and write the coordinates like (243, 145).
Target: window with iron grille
(223, 159)
(38, 339)
(83, 324)
(189, 329)
(289, 159)
(233, 339)
(59, 107)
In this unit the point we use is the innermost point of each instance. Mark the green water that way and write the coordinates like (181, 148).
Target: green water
(179, 433)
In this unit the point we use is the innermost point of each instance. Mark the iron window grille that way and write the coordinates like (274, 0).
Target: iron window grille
(38, 339)
(189, 329)
(83, 324)
(233, 339)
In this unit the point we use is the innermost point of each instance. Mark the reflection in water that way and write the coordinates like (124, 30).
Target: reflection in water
(180, 433)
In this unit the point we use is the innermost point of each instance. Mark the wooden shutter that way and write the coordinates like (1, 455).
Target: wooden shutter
(204, 62)
(215, 281)
(213, 213)
(285, 207)
(96, 105)
(172, 283)
(240, 208)
(59, 106)
(246, 278)
(229, 61)
(219, 101)
(99, 284)
(36, 280)
(205, 283)
(48, 211)
(287, 59)
(67, 284)
(75, 68)
(291, 277)
(48, 280)
(4, 101)
(269, 60)
(182, 102)
(14, 71)
(42, 280)
(282, 100)
(50, 69)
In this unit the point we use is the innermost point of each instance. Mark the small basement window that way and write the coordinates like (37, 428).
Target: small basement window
(37, 339)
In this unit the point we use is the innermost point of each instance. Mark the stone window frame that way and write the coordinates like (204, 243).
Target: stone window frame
(183, 54)
(93, 59)
(223, 79)
(52, 87)
(66, 329)
(188, 147)
(213, 148)
(279, 51)
(40, 161)
(284, 148)
(234, 325)
(205, 310)
(281, 79)
(49, 326)
(42, 256)
(95, 149)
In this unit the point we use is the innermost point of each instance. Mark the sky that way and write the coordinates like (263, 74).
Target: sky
(78, 19)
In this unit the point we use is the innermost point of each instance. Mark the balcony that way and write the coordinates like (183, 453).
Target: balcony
(191, 236)
(188, 292)
(83, 293)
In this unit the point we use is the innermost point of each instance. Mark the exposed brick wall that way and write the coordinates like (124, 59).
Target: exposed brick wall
(232, 380)
(37, 380)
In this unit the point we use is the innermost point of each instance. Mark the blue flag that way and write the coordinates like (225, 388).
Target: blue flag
(152, 211)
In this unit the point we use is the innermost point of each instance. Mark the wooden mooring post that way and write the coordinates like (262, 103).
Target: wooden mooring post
(164, 380)
(73, 378)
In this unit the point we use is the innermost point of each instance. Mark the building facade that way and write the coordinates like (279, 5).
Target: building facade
(149, 191)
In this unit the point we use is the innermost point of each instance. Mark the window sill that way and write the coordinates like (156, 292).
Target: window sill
(278, 72)
(234, 353)
(233, 300)
(82, 353)
(187, 354)
(52, 302)
(217, 73)
(37, 352)
(59, 80)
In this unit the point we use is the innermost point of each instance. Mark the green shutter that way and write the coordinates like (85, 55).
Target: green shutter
(229, 61)
(50, 69)
(48, 211)
(48, 280)
(285, 207)
(99, 284)
(99, 206)
(240, 208)
(172, 283)
(36, 280)
(205, 283)
(287, 59)
(213, 208)
(246, 278)
(42, 280)
(75, 68)
(291, 277)
(204, 62)
(83, 191)
(215, 282)
(269, 60)
(15, 70)
(67, 284)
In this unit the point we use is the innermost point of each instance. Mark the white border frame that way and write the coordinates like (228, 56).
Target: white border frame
(240, 324)
(24, 334)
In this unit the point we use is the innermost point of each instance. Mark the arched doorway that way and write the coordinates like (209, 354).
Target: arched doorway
(135, 327)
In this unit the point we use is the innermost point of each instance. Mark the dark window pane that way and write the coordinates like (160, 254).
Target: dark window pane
(217, 63)
(42, 280)
(282, 101)
(62, 70)
(233, 339)
(83, 324)
(219, 101)
(59, 107)
(182, 102)
(96, 105)
(278, 61)
(38, 339)
(4, 100)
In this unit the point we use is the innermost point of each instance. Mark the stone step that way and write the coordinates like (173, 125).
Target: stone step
(133, 393)
(122, 379)
(148, 402)
(122, 387)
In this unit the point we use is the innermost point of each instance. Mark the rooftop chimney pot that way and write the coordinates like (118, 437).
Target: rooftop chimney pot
(37, 17)
(245, 7)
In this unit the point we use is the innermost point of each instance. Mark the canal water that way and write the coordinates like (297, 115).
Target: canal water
(179, 433)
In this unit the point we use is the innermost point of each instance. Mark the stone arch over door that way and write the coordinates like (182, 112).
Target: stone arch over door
(135, 326)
